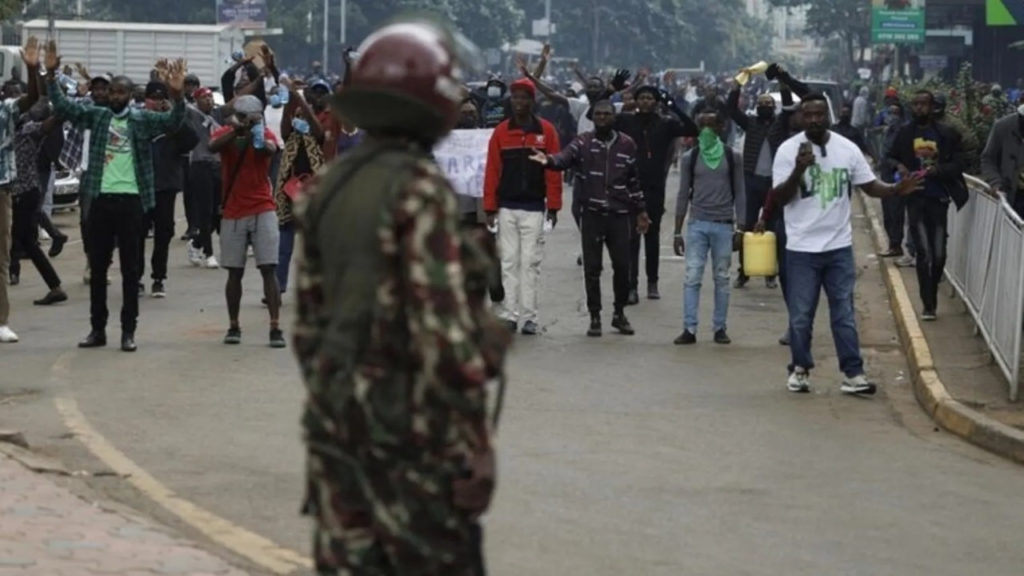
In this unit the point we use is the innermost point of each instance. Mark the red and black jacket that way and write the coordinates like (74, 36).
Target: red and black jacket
(514, 181)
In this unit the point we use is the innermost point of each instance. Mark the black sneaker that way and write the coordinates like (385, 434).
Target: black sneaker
(530, 328)
(621, 323)
(234, 336)
(511, 325)
(722, 338)
(741, 281)
(633, 298)
(277, 338)
(652, 291)
(784, 340)
(929, 316)
(685, 339)
(15, 279)
(595, 326)
(158, 289)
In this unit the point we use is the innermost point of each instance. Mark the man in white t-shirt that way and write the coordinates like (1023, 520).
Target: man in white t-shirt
(814, 174)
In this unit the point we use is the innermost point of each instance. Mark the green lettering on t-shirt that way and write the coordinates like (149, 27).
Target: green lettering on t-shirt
(827, 185)
(118, 163)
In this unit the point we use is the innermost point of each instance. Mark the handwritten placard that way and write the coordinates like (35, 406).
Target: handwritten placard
(462, 156)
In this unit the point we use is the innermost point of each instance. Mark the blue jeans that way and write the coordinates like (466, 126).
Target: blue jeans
(702, 237)
(806, 274)
(284, 254)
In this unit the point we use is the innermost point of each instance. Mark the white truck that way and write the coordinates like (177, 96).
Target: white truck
(131, 48)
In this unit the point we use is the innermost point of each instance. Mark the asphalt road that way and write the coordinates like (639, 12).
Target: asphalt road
(623, 455)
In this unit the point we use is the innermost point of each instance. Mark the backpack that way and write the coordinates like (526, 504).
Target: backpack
(729, 160)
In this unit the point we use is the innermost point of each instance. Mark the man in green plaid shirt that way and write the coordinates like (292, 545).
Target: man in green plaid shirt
(118, 186)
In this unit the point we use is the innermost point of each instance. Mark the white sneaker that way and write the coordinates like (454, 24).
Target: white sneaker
(799, 381)
(211, 262)
(7, 335)
(44, 236)
(857, 385)
(195, 256)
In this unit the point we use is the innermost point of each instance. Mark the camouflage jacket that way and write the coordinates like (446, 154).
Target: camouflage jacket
(393, 337)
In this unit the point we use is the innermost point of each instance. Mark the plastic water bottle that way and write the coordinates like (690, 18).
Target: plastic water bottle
(258, 138)
(283, 95)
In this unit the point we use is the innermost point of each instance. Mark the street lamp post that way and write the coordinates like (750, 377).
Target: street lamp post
(327, 8)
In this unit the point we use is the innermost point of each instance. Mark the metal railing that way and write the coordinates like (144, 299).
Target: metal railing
(985, 267)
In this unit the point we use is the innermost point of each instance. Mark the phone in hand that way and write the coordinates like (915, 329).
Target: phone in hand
(806, 148)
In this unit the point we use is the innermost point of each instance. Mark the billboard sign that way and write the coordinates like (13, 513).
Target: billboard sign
(242, 13)
(897, 21)
(1004, 12)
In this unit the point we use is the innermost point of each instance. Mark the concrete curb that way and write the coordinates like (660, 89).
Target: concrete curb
(931, 393)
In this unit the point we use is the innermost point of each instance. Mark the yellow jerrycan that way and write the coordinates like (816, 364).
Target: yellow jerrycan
(759, 254)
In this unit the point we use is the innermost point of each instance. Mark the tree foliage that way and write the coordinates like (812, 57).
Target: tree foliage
(655, 33)
(848, 21)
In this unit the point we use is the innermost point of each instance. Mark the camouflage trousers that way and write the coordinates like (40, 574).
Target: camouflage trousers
(376, 517)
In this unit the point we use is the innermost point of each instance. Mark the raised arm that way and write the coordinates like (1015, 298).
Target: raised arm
(737, 115)
(30, 55)
(156, 123)
(70, 111)
(546, 90)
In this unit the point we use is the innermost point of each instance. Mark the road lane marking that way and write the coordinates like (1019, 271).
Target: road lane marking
(249, 545)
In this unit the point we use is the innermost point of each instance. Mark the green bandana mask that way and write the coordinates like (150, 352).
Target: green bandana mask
(711, 148)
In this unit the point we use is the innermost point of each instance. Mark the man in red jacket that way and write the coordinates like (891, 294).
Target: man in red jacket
(517, 195)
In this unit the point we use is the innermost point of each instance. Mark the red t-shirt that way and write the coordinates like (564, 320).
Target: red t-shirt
(252, 192)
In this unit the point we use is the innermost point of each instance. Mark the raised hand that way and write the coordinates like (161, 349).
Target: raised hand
(176, 72)
(30, 53)
(162, 69)
(545, 53)
(52, 56)
(621, 77)
(82, 71)
(521, 65)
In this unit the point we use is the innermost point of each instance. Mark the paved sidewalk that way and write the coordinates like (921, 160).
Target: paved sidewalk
(955, 378)
(45, 530)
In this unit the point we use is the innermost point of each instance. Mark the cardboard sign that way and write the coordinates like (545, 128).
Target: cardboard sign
(462, 157)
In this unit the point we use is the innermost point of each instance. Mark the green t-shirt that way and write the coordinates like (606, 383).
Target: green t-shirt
(119, 164)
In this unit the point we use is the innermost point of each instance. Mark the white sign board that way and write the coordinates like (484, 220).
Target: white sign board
(462, 157)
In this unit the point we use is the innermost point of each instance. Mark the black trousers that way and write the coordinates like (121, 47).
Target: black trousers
(757, 188)
(894, 216)
(651, 242)
(205, 182)
(187, 194)
(115, 220)
(161, 220)
(25, 237)
(614, 231)
(929, 225)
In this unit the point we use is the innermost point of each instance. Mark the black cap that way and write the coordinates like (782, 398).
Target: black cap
(156, 91)
(192, 79)
(652, 90)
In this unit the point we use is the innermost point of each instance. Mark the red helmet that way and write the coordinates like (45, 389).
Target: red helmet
(407, 78)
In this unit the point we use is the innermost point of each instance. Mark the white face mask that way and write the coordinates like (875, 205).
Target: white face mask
(493, 91)
(1020, 110)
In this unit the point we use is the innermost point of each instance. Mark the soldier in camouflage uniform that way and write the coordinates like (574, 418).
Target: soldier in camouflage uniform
(393, 335)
